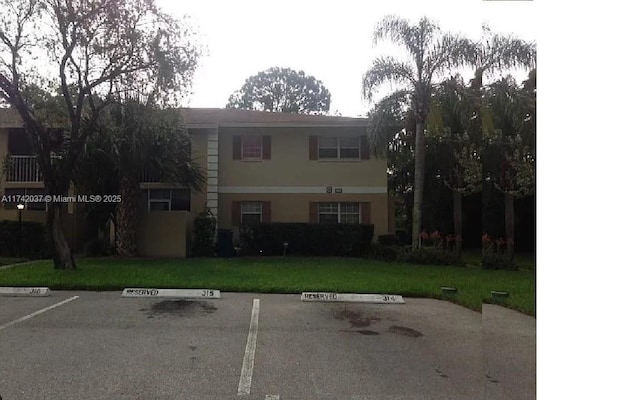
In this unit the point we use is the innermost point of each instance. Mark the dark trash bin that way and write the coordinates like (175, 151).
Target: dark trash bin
(225, 243)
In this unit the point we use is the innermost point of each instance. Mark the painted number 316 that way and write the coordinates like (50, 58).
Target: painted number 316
(207, 293)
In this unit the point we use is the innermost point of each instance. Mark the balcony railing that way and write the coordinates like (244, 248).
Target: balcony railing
(23, 169)
(148, 176)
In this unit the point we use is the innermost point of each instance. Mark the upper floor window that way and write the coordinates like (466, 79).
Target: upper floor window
(169, 200)
(252, 147)
(338, 147)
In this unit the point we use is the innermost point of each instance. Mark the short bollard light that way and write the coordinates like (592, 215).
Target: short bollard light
(285, 245)
(449, 293)
(499, 297)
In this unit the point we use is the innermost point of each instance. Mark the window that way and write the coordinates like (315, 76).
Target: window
(28, 205)
(251, 212)
(342, 213)
(169, 200)
(343, 147)
(252, 147)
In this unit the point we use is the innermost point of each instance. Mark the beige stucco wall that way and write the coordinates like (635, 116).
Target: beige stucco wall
(290, 164)
(295, 207)
(163, 233)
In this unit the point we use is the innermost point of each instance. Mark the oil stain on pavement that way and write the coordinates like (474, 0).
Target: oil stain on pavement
(178, 308)
(402, 330)
(355, 318)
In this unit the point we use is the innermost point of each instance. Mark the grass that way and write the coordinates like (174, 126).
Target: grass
(284, 275)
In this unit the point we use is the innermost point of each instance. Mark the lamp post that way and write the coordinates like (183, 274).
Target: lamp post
(20, 207)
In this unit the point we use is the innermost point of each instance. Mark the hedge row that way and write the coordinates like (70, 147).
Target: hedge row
(305, 239)
(406, 254)
(28, 243)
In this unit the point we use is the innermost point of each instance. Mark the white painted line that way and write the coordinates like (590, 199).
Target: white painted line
(244, 387)
(352, 297)
(172, 293)
(25, 291)
(272, 397)
(8, 324)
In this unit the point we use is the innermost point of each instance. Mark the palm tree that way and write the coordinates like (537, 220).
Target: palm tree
(510, 166)
(494, 53)
(139, 138)
(430, 53)
(460, 168)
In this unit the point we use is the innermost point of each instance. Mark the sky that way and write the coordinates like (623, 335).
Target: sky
(330, 40)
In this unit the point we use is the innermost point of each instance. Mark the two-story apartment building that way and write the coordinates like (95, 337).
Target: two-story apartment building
(260, 167)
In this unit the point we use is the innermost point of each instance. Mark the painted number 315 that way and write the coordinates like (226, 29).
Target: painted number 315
(207, 293)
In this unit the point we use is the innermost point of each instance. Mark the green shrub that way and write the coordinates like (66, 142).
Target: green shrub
(383, 253)
(429, 256)
(30, 243)
(349, 240)
(204, 228)
(406, 254)
(495, 254)
(389, 240)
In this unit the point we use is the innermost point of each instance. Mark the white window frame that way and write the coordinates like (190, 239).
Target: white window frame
(244, 204)
(164, 200)
(339, 148)
(340, 211)
(243, 146)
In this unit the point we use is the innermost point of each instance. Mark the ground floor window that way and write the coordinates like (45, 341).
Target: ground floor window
(169, 200)
(341, 213)
(250, 212)
(11, 194)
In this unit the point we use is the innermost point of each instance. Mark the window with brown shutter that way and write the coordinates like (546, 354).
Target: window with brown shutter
(364, 148)
(237, 147)
(313, 213)
(266, 211)
(235, 213)
(365, 213)
(313, 147)
(266, 147)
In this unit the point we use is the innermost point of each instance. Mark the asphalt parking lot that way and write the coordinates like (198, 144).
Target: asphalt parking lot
(260, 346)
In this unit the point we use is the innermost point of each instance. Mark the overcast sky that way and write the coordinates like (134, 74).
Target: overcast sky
(331, 40)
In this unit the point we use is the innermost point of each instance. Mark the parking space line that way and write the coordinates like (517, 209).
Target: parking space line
(244, 387)
(33, 314)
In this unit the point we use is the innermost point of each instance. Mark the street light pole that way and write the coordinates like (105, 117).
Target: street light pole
(20, 208)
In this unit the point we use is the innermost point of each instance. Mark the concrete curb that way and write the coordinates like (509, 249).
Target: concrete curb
(19, 264)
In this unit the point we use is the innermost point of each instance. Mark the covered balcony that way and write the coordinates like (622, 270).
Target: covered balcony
(23, 168)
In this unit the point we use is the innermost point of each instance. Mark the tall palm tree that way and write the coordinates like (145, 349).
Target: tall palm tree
(496, 52)
(430, 53)
(461, 167)
(510, 167)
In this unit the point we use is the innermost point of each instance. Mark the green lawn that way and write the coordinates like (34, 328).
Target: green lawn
(283, 275)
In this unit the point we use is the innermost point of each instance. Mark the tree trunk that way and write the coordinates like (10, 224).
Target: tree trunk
(127, 217)
(457, 221)
(61, 253)
(509, 221)
(418, 187)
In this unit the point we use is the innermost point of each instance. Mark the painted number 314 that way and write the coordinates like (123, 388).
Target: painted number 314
(207, 293)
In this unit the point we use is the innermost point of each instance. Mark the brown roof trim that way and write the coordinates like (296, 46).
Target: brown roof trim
(227, 117)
